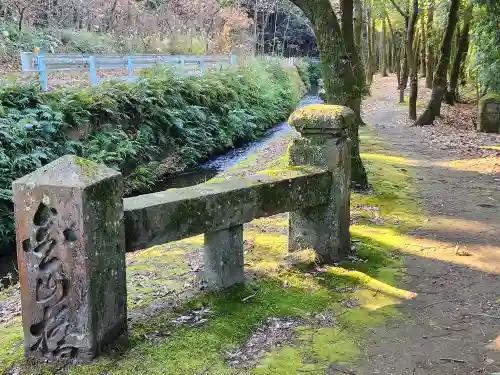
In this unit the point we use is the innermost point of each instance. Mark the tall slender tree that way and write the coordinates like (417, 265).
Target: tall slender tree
(461, 54)
(412, 61)
(341, 84)
(423, 46)
(403, 82)
(430, 48)
(433, 108)
(383, 49)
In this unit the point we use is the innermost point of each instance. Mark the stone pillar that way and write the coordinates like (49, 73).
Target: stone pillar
(71, 258)
(323, 144)
(489, 114)
(223, 257)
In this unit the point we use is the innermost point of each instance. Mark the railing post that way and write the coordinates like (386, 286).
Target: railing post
(183, 62)
(71, 258)
(202, 65)
(223, 257)
(323, 144)
(42, 69)
(234, 60)
(27, 61)
(92, 71)
(130, 67)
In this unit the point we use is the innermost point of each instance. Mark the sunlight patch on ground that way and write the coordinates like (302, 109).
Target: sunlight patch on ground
(486, 165)
(486, 260)
(497, 147)
(443, 223)
(372, 284)
(391, 159)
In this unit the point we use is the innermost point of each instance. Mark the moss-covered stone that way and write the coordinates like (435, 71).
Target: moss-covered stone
(324, 228)
(322, 116)
(158, 218)
(489, 114)
(490, 97)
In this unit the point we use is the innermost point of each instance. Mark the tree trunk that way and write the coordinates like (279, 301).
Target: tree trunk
(353, 51)
(255, 23)
(396, 63)
(439, 83)
(430, 48)
(339, 77)
(405, 69)
(462, 49)
(284, 34)
(358, 23)
(275, 28)
(21, 19)
(390, 56)
(373, 60)
(383, 50)
(423, 47)
(412, 61)
(369, 58)
(111, 15)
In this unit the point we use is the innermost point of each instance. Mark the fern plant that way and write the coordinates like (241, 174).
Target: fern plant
(132, 126)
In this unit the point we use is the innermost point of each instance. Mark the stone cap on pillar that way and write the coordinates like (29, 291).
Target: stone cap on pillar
(68, 171)
(322, 119)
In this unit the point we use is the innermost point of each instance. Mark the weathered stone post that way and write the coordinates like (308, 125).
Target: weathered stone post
(489, 114)
(223, 256)
(71, 257)
(324, 144)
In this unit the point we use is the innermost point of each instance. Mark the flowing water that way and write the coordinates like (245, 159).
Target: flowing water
(218, 164)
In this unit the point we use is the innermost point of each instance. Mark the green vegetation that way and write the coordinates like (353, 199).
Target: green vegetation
(310, 72)
(162, 123)
(13, 41)
(419, 103)
(490, 97)
(485, 41)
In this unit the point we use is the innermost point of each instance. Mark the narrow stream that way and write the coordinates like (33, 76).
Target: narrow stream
(223, 162)
(192, 177)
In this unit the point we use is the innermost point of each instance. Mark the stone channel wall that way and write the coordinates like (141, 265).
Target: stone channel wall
(74, 228)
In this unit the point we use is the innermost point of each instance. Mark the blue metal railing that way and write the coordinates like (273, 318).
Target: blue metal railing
(46, 63)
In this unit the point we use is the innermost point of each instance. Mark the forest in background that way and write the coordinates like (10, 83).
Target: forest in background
(154, 27)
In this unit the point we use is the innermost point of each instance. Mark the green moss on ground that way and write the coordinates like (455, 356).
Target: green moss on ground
(11, 347)
(494, 148)
(420, 103)
(359, 293)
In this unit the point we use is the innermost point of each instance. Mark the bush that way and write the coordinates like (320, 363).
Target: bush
(314, 69)
(13, 41)
(132, 127)
(303, 70)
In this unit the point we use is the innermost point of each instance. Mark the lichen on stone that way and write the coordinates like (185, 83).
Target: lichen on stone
(88, 167)
(321, 116)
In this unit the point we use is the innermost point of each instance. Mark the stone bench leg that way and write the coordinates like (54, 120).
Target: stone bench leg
(223, 257)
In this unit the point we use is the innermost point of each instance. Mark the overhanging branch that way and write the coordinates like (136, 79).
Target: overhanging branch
(398, 8)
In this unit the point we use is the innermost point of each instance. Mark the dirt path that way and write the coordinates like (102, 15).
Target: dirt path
(453, 261)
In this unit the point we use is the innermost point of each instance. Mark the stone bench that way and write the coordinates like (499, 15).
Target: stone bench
(73, 229)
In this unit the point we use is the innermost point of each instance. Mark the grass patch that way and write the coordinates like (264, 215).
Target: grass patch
(495, 147)
(279, 286)
(420, 103)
